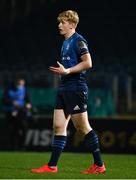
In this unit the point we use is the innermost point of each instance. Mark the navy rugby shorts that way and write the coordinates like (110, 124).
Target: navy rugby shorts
(72, 102)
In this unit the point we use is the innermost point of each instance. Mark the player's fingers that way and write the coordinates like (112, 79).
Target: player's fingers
(55, 71)
(55, 68)
(59, 63)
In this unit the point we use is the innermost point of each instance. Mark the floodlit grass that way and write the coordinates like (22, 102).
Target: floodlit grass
(17, 165)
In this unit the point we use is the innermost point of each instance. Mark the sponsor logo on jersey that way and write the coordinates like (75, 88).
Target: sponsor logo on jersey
(65, 58)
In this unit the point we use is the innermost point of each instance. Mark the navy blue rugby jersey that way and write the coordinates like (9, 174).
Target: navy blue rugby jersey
(72, 49)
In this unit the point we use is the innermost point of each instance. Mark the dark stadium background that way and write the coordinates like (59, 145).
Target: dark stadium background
(30, 43)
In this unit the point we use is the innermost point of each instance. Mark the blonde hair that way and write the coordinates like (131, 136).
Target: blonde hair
(70, 16)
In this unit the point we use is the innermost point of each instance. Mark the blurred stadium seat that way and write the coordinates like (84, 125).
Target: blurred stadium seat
(100, 103)
(43, 99)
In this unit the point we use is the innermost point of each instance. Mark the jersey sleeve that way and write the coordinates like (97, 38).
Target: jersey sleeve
(81, 47)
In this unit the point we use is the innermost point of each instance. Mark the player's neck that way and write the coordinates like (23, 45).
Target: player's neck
(69, 34)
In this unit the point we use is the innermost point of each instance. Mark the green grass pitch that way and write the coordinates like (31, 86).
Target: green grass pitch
(17, 165)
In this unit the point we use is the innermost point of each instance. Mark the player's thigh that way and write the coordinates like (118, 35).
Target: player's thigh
(81, 122)
(59, 120)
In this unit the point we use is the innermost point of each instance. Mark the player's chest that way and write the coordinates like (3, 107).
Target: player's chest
(67, 48)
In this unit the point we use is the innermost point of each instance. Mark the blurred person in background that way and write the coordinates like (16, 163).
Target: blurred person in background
(17, 108)
(72, 96)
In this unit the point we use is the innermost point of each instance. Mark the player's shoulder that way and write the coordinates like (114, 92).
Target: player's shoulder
(80, 41)
(79, 37)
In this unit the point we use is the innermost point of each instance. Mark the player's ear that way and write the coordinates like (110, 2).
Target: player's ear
(72, 25)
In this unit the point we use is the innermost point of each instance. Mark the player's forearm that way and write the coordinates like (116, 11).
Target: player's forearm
(84, 65)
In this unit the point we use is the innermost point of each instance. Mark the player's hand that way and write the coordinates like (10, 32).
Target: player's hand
(59, 70)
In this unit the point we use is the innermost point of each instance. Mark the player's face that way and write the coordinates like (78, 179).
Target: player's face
(65, 27)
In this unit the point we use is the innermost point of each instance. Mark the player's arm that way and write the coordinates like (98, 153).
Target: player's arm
(86, 63)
